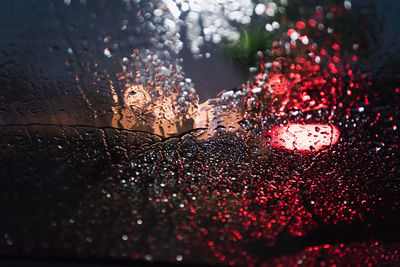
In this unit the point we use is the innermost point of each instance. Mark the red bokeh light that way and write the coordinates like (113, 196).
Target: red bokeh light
(300, 25)
(305, 138)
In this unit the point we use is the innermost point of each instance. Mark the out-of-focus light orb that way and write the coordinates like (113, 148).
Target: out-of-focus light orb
(304, 137)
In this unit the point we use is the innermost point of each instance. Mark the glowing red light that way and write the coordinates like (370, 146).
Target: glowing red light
(290, 32)
(305, 138)
(300, 25)
(279, 84)
(336, 47)
(312, 22)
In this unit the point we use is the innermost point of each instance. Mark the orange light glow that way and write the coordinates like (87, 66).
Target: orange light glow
(304, 138)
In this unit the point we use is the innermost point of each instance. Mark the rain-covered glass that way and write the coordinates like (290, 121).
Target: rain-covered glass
(229, 132)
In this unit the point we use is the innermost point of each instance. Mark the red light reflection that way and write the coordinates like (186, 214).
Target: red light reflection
(305, 138)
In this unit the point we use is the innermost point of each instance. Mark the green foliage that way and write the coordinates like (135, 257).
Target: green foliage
(244, 51)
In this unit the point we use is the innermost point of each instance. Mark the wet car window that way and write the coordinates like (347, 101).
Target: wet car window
(199, 132)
